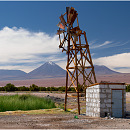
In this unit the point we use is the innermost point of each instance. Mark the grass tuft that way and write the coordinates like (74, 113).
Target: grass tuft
(24, 102)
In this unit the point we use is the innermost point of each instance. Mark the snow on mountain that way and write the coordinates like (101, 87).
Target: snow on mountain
(48, 69)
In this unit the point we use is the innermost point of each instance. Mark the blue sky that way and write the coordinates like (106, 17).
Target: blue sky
(28, 33)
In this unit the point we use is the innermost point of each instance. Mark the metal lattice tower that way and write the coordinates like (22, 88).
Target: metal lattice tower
(79, 66)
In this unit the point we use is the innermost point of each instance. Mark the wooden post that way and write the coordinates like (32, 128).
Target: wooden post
(68, 51)
(76, 67)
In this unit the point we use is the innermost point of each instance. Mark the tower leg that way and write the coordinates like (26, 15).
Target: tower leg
(77, 82)
(77, 90)
(66, 87)
(78, 102)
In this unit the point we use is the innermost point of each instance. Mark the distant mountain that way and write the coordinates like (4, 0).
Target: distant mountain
(103, 70)
(11, 74)
(52, 70)
(47, 70)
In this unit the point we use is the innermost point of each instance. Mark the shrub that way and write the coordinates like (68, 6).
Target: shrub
(61, 89)
(23, 88)
(71, 89)
(80, 88)
(53, 89)
(2, 89)
(48, 89)
(10, 87)
(34, 87)
(42, 88)
(128, 88)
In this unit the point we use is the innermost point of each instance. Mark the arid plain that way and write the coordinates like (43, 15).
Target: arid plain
(49, 82)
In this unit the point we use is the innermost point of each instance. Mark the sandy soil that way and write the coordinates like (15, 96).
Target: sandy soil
(60, 119)
(61, 81)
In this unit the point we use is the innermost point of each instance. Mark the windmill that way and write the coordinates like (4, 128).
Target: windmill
(79, 62)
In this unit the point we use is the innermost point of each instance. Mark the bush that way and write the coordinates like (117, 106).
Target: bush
(23, 88)
(48, 89)
(10, 87)
(128, 88)
(34, 87)
(53, 89)
(42, 88)
(71, 89)
(80, 88)
(2, 89)
(61, 89)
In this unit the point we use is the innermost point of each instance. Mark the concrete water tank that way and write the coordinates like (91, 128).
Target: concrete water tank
(103, 99)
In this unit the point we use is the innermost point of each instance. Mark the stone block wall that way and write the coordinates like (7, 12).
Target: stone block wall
(93, 101)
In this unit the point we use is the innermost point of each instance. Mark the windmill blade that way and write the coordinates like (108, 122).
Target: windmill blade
(71, 15)
(60, 31)
(60, 25)
(62, 20)
(67, 12)
(74, 17)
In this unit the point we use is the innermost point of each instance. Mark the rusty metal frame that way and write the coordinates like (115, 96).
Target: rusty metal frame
(78, 55)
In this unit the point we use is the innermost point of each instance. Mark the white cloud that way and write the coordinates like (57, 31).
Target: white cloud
(22, 41)
(100, 45)
(62, 63)
(126, 70)
(115, 61)
(18, 45)
(19, 67)
(25, 50)
(106, 44)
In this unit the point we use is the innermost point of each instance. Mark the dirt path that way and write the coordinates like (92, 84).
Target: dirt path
(60, 121)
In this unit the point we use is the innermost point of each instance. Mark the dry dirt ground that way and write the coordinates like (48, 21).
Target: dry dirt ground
(49, 82)
(58, 119)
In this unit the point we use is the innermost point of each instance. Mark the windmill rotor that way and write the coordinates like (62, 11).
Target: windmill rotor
(66, 26)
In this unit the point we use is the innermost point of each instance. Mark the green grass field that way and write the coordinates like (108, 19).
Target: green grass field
(24, 102)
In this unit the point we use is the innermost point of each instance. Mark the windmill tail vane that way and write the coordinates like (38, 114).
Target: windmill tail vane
(79, 66)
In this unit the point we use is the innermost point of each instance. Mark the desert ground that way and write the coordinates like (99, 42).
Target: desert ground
(58, 119)
(60, 81)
